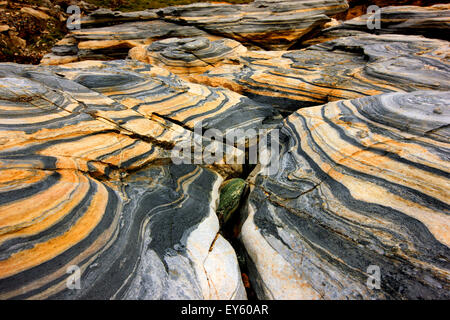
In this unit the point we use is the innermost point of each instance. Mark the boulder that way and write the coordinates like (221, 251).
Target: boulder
(359, 205)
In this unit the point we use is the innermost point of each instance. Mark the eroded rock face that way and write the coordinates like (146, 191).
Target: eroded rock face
(87, 179)
(154, 92)
(190, 55)
(114, 42)
(273, 25)
(430, 21)
(361, 183)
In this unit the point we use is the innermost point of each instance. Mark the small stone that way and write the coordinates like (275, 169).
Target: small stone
(35, 13)
(437, 110)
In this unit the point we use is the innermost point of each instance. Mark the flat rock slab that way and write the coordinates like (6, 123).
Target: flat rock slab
(152, 91)
(267, 24)
(361, 189)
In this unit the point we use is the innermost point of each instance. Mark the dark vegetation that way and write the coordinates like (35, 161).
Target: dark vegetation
(26, 38)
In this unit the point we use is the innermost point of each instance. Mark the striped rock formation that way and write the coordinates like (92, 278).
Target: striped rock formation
(86, 180)
(116, 180)
(114, 42)
(190, 55)
(362, 190)
(154, 92)
(268, 24)
(431, 22)
(344, 68)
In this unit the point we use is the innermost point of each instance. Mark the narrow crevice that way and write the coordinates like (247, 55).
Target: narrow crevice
(231, 230)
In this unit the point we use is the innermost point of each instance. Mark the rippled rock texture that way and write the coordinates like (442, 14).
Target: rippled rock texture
(86, 179)
(266, 24)
(361, 183)
(344, 68)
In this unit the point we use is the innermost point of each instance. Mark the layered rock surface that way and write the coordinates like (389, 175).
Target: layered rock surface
(432, 22)
(261, 24)
(87, 180)
(113, 169)
(343, 68)
(360, 183)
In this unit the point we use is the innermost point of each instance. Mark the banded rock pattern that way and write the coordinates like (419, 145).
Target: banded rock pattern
(267, 24)
(361, 183)
(273, 25)
(86, 179)
(114, 42)
(88, 176)
(151, 91)
(190, 55)
(154, 235)
(344, 68)
(431, 22)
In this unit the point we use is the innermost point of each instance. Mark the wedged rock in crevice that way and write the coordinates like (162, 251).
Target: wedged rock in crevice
(361, 187)
(273, 25)
(344, 68)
